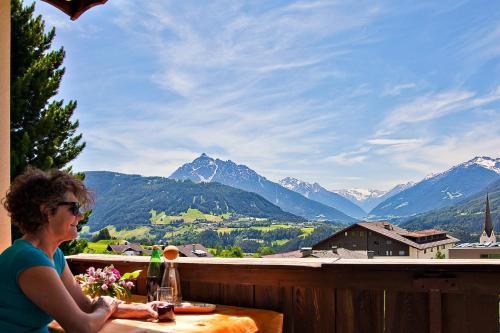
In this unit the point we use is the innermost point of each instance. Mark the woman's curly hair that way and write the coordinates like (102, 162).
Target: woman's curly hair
(35, 188)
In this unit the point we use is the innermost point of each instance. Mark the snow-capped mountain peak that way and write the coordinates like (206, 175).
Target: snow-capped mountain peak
(300, 186)
(492, 164)
(442, 189)
(485, 162)
(318, 193)
(360, 194)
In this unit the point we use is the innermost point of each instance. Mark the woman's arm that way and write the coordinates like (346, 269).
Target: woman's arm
(73, 287)
(136, 311)
(44, 287)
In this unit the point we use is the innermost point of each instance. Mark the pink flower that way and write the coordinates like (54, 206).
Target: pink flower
(111, 279)
(129, 284)
(91, 271)
(104, 286)
(117, 273)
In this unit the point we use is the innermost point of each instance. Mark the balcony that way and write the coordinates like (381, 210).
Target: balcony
(340, 295)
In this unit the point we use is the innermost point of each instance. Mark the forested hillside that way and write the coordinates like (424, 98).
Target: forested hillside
(127, 200)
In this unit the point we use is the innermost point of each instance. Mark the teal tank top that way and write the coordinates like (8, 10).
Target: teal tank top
(17, 312)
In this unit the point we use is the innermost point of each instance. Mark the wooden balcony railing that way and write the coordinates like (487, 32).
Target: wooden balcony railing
(339, 295)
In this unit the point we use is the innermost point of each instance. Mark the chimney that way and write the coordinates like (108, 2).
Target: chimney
(306, 251)
(194, 248)
(370, 254)
(387, 226)
(335, 249)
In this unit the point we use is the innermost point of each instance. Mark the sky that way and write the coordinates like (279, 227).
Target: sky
(348, 94)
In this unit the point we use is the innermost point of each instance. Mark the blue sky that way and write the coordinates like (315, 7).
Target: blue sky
(343, 93)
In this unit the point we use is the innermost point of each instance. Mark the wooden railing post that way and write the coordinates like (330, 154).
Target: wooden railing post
(5, 238)
(435, 311)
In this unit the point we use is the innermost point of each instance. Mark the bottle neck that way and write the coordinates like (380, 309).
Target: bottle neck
(155, 256)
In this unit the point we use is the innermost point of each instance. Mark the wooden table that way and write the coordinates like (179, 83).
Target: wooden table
(225, 319)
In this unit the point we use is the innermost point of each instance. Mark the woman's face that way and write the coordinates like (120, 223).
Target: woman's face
(63, 223)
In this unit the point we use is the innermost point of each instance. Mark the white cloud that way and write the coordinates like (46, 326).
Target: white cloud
(436, 105)
(447, 150)
(178, 82)
(483, 43)
(392, 142)
(397, 89)
(349, 158)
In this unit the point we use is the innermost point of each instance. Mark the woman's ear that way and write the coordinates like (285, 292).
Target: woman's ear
(45, 210)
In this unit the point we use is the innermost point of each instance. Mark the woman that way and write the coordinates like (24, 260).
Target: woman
(36, 284)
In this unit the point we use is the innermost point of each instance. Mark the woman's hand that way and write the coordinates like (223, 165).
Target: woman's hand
(137, 311)
(110, 304)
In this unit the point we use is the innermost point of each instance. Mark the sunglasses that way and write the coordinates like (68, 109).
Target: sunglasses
(74, 207)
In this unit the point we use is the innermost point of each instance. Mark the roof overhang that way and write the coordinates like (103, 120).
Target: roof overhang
(75, 8)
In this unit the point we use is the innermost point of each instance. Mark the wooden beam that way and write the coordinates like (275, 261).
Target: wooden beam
(435, 311)
(5, 238)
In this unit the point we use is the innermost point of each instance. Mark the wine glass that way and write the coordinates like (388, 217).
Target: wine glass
(166, 308)
(165, 294)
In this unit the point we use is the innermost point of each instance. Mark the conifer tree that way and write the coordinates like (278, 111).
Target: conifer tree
(42, 132)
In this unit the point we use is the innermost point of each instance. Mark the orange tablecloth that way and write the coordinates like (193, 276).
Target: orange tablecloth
(226, 319)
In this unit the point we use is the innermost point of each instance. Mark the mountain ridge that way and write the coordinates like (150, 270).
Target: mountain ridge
(441, 189)
(368, 199)
(464, 219)
(318, 193)
(205, 168)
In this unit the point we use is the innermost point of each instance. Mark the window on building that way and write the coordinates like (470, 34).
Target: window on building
(375, 242)
(390, 253)
(386, 253)
(402, 253)
(362, 233)
(432, 249)
(354, 245)
(388, 242)
(345, 233)
(490, 256)
(425, 251)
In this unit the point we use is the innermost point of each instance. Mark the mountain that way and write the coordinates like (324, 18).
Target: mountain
(207, 169)
(440, 190)
(127, 199)
(396, 189)
(464, 219)
(364, 198)
(318, 193)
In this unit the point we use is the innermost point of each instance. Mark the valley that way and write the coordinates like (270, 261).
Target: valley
(215, 202)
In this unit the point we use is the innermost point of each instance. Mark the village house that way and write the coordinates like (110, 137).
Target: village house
(384, 239)
(128, 249)
(193, 250)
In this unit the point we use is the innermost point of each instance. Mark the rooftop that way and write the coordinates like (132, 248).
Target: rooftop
(477, 245)
(399, 234)
(338, 253)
